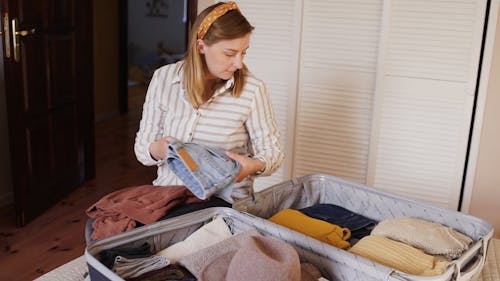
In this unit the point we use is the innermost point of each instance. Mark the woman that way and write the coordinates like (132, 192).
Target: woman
(211, 98)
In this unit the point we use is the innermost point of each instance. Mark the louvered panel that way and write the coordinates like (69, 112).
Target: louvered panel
(336, 84)
(335, 136)
(322, 165)
(341, 35)
(333, 128)
(423, 129)
(273, 57)
(341, 152)
(424, 97)
(432, 39)
(406, 187)
(272, 39)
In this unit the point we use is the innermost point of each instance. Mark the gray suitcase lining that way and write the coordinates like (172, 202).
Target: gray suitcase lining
(375, 204)
(165, 233)
(334, 263)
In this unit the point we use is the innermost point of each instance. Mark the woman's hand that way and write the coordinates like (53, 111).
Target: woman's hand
(158, 148)
(248, 166)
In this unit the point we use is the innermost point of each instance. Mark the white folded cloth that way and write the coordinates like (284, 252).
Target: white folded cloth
(433, 238)
(209, 234)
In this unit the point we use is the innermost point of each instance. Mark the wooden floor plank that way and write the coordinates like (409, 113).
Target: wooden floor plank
(57, 236)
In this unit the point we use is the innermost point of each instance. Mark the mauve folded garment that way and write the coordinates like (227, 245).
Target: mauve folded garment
(120, 210)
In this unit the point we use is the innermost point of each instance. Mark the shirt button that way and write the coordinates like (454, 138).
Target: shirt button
(190, 134)
(198, 113)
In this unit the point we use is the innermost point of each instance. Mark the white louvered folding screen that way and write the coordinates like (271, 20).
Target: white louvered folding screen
(336, 84)
(376, 91)
(425, 92)
(273, 57)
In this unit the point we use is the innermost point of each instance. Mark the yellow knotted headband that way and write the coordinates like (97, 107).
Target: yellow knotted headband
(214, 15)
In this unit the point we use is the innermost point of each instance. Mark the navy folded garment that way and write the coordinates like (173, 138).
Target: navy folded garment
(192, 207)
(359, 225)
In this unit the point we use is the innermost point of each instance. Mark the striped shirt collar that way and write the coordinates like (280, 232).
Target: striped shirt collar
(179, 75)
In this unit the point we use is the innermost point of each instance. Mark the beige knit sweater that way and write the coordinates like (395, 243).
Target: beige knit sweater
(399, 256)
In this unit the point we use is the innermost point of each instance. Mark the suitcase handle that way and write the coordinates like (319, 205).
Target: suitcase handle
(465, 270)
(473, 269)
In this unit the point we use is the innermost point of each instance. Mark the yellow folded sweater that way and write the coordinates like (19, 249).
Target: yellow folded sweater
(318, 229)
(399, 256)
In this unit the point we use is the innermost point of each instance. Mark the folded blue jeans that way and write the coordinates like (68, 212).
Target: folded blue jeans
(360, 226)
(203, 169)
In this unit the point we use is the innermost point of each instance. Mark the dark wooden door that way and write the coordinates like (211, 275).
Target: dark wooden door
(49, 97)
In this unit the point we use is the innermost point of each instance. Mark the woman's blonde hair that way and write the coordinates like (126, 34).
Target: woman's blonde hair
(231, 25)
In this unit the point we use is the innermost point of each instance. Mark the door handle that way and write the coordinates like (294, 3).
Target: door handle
(25, 32)
(15, 38)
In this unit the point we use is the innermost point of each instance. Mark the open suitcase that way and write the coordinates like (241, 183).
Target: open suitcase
(334, 263)
(319, 188)
(167, 232)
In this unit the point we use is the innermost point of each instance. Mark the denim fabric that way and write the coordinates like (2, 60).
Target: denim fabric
(203, 169)
(359, 225)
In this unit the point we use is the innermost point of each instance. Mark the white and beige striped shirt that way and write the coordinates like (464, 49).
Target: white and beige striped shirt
(245, 125)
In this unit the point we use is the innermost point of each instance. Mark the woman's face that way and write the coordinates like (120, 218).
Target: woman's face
(224, 57)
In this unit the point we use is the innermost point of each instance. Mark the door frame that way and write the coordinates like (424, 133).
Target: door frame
(84, 107)
(480, 105)
(192, 8)
(6, 192)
